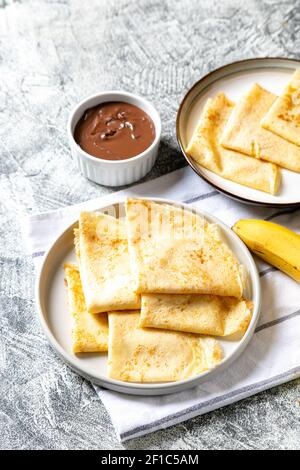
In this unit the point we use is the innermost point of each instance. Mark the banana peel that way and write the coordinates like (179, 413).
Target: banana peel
(274, 243)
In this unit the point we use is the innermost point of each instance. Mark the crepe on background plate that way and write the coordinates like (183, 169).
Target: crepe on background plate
(89, 331)
(149, 355)
(245, 134)
(202, 314)
(283, 118)
(189, 258)
(205, 149)
(105, 272)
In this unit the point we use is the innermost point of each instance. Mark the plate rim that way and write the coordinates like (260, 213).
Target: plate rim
(157, 388)
(190, 161)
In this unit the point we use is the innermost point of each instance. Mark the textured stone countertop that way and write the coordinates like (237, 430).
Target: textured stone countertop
(53, 53)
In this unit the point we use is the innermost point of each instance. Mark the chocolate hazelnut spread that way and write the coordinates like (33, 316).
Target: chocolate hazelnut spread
(114, 131)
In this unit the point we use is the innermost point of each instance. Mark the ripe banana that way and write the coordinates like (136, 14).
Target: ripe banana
(273, 243)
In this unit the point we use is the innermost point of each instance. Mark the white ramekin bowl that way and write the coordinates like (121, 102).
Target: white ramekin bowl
(114, 172)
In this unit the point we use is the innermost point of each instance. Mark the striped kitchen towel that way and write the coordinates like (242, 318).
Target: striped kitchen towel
(273, 355)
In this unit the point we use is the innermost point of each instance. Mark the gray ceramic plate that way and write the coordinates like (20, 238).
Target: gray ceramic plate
(235, 80)
(51, 300)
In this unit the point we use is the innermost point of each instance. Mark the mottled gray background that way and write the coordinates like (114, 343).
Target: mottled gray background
(52, 54)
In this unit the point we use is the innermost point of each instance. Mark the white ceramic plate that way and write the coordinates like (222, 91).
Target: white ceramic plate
(235, 80)
(52, 305)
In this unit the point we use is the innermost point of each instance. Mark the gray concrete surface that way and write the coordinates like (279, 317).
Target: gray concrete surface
(52, 54)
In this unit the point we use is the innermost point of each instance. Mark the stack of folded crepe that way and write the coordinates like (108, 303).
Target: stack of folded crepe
(154, 290)
(247, 142)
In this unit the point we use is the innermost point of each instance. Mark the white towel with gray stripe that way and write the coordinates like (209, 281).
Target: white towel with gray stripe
(273, 355)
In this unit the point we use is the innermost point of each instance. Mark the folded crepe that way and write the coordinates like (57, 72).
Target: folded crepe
(89, 332)
(148, 355)
(283, 118)
(175, 251)
(245, 134)
(76, 244)
(205, 149)
(106, 277)
(203, 314)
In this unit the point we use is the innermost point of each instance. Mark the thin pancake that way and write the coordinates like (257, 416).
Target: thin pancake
(104, 264)
(174, 251)
(76, 244)
(148, 355)
(205, 149)
(245, 134)
(202, 314)
(283, 118)
(89, 332)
